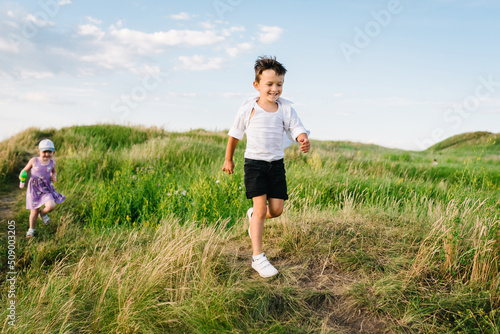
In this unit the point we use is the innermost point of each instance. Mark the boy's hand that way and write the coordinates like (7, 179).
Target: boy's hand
(304, 144)
(228, 166)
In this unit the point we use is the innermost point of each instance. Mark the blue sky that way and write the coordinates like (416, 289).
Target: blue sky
(396, 73)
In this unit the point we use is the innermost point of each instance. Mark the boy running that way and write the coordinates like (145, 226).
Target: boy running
(268, 121)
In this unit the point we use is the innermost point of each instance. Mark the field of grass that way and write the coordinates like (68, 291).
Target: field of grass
(152, 238)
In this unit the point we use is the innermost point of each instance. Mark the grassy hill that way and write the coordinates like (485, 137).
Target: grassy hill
(152, 238)
(469, 141)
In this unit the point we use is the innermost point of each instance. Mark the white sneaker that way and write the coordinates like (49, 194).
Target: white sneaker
(30, 234)
(249, 215)
(264, 267)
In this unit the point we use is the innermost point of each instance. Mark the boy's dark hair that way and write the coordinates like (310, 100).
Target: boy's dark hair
(268, 63)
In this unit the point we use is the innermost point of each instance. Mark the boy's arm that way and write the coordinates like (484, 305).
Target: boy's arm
(297, 130)
(228, 160)
(303, 139)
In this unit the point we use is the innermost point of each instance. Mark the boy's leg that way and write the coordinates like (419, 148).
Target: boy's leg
(262, 211)
(259, 260)
(275, 207)
(257, 222)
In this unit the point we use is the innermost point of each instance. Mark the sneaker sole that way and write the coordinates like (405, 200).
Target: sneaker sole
(268, 276)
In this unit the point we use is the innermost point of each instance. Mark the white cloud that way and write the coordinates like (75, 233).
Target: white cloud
(185, 95)
(232, 52)
(95, 84)
(182, 16)
(172, 37)
(200, 63)
(90, 30)
(123, 48)
(145, 43)
(207, 25)
(93, 20)
(490, 105)
(230, 95)
(27, 74)
(146, 70)
(389, 101)
(228, 32)
(37, 97)
(109, 56)
(64, 2)
(39, 20)
(238, 49)
(269, 34)
(96, 49)
(6, 45)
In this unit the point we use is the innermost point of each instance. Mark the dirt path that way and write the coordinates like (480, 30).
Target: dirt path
(327, 287)
(7, 202)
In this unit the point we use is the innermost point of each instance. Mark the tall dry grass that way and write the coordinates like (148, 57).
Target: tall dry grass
(124, 282)
(463, 245)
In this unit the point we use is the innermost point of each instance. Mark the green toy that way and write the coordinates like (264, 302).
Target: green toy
(23, 177)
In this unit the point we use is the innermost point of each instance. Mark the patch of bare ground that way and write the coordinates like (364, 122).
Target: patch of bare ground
(7, 201)
(321, 286)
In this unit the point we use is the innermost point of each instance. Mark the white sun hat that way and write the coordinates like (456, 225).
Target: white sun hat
(46, 145)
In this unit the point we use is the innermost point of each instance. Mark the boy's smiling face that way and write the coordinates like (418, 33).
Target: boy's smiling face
(270, 86)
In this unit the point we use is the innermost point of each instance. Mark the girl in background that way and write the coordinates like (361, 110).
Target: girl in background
(40, 186)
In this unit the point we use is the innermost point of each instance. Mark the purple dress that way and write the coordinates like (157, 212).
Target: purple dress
(40, 187)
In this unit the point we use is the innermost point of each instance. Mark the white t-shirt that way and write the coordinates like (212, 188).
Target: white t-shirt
(262, 147)
(265, 135)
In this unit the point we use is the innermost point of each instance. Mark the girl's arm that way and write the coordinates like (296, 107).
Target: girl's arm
(228, 160)
(53, 174)
(28, 167)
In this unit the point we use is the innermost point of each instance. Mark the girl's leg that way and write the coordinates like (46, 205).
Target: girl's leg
(49, 206)
(33, 217)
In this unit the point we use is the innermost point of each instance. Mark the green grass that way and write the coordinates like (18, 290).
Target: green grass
(152, 238)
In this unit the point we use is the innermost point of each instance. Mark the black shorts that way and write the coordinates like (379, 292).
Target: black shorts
(265, 178)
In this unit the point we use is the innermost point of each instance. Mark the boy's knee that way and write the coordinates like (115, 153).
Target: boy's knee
(275, 212)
